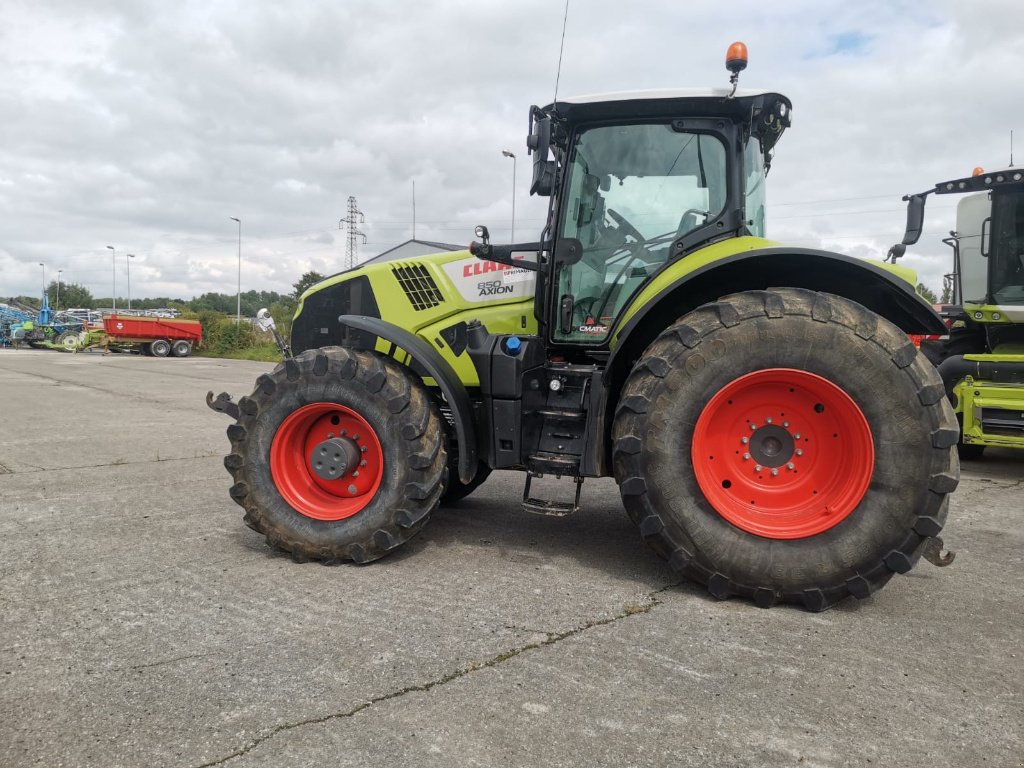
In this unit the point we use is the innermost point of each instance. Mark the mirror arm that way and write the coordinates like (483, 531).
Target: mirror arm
(503, 254)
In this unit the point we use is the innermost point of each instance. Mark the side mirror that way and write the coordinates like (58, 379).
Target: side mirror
(539, 143)
(895, 252)
(265, 321)
(915, 219)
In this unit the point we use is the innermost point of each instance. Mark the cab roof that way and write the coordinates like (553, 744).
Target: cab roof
(667, 101)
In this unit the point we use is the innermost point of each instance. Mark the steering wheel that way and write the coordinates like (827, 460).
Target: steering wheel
(626, 228)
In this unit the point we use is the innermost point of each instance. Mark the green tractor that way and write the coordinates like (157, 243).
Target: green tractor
(773, 432)
(981, 359)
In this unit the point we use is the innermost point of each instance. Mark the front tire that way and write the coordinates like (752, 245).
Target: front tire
(321, 407)
(709, 426)
(160, 348)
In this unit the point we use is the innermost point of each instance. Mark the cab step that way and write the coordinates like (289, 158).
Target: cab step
(546, 506)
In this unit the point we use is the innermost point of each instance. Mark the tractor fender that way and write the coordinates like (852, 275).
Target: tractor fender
(369, 329)
(875, 287)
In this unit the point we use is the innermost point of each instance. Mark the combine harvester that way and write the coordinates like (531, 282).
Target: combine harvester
(981, 360)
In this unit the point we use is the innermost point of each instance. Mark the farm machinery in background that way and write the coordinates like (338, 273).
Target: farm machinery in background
(981, 359)
(773, 432)
(21, 325)
(154, 336)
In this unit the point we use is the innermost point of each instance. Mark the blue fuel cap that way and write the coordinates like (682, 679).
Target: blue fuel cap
(513, 344)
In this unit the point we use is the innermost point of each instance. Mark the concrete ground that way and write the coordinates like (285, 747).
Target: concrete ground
(142, 624)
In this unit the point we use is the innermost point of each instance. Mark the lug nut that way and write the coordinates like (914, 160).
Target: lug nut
(768, 420)
(785, 423)
(744, 440)
(799, 451)
(796, 436)
(746, 457)
(362, 463)
(757, 467)
(791, 466)
(352, 489)
(355, 473)
(775, 473)
(753, 426)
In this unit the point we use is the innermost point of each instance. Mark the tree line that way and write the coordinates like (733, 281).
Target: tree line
(73, 295)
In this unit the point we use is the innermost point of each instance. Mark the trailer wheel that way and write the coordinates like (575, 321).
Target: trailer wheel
(337, 455)
(160, 348)
(181, 348)
(785, 445)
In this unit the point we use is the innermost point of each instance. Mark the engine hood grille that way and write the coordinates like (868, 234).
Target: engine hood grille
(419, 286)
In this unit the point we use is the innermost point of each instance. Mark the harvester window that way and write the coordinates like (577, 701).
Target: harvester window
(1007, 253)
(632, 191)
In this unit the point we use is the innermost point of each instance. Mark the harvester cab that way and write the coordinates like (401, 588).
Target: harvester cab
(772, 431)
(981, 360)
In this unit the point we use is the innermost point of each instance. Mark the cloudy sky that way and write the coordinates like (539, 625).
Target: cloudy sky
(146, 125)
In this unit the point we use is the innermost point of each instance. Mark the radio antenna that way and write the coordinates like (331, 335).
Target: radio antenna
(561, 48)
(1011, 147)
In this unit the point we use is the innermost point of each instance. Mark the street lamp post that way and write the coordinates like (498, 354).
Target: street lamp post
(128, 263)
(238, 318)
(41, 264)
(113, 283)
(57, 307)
(506, 153)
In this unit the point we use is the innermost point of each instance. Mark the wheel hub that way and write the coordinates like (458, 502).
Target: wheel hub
(334, 458)
(772, 446)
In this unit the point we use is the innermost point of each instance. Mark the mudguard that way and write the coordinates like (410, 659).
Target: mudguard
(436, 367)
(664, 300)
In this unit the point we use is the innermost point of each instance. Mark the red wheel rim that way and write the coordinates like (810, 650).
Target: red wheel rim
(291, 454)
(782, 453)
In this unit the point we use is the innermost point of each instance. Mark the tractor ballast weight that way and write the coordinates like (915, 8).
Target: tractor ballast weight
(773, 432)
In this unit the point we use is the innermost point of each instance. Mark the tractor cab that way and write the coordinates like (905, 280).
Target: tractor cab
(632, 195)
(637, 181)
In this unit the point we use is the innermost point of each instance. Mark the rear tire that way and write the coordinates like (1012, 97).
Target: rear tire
(455, 491)
(181, 348)
(390, 418)
(160, 348)
(786, 542)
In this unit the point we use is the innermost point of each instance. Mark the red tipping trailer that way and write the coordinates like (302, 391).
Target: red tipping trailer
(158, 336)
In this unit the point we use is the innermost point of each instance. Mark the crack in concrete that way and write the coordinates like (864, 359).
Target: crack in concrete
(115, 463)
(629, 610)
(175, 660)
